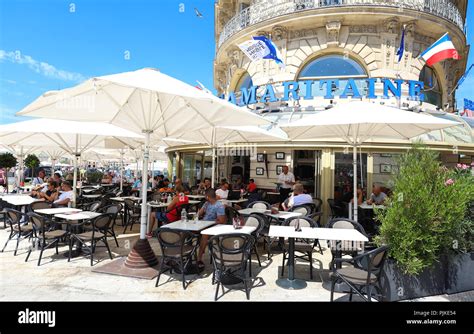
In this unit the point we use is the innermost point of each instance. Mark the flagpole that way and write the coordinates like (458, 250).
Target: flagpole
(461, 80)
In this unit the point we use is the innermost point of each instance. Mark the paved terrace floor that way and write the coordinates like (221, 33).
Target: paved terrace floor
(58, 280)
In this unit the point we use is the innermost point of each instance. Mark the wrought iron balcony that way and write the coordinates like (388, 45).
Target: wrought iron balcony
(263, 10)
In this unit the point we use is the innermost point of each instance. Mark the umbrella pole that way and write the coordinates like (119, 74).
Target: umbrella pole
(213, 172)
(142, 256)
(354, 177)
(121, 170)
(21, 168)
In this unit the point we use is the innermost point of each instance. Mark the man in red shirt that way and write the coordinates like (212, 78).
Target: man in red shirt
(252, 187)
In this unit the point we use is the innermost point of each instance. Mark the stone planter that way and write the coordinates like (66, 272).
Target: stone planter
(460, 273)
(397, 285)
(451, 274)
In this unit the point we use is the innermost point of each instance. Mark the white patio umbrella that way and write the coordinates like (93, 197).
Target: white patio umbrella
(359, 121)
(233, 134)
(72, 137)
(143, 101)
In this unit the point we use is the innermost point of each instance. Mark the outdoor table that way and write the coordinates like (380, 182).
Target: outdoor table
(366, 206)
(224, 229)
(107, 184)
(160, 206)
(92, 196)
(279, 215)
(55, 211)
(70, 220)
(122, 199)
(198, 197)
(190, 225)
(20, 200)
(233, 201)
(320, 233)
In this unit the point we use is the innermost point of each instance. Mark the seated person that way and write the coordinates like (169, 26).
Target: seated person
(39, 180)
(377, 197)
(66, 195)
(211, 210)
(251, 187)
(223, 191)
(137, 185)
(298, 197)
(203, 186)
(57, 178)
(50, 192)
(179, 182)
(166, 186)
(237, 185)
(171, 214)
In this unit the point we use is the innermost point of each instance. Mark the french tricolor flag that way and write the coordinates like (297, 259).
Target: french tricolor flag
(442, 49)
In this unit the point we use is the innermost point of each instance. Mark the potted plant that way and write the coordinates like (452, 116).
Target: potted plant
(32, 162)
(426, 226)
(7, 161)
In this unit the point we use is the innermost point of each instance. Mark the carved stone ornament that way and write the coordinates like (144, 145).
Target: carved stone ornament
(392, 25)
(332, 31)
(279, 33)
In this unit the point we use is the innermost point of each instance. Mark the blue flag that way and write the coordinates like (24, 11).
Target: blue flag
(401, 49)
(274, 53)
(465, 75)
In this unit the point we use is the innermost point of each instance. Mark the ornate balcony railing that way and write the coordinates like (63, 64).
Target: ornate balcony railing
(263, 10)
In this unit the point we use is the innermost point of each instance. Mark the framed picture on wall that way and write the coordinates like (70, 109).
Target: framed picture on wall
(260, 157)
(385, 168)
(279, 169)
(259, 171)
(280, 155)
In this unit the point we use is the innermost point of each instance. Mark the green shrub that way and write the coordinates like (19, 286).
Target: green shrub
(94, 177)
(426, 213)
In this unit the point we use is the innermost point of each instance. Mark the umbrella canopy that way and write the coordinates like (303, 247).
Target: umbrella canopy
(359, 121)
(72, 137)
(142, 101)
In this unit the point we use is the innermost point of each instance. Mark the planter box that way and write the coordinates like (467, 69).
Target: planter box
(397, 285)
(452, 274)
(460, 276)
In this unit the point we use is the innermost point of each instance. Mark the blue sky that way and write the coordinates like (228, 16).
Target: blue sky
(54, 44)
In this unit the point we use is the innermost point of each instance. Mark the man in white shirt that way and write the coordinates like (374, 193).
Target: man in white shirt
(66, 195)
(223, 191)
(39, 180)
(286, 180)
(298, 197)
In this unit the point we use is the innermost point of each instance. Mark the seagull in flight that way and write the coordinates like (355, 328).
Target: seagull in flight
(198, 13)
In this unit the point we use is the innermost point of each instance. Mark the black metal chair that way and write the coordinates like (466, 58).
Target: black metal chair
(114, 210)
(133, 213)
(39, 205)
(303, 246)
(303, 209)
(17, 229)
(346, 247)
(44, 236)
(363, 276)
(177, 247)
(258, 222)
(231, 213)
(338, 210)
(230, 254)
(3, 213)
(318, 203)
(100, 226)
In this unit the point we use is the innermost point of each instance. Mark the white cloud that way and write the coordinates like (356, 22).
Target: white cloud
(40, 67)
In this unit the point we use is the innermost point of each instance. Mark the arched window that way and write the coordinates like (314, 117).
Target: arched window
(245, 81)
(334, 66)
(433, 93)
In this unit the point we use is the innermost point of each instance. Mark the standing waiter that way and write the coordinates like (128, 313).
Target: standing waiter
(286, 180)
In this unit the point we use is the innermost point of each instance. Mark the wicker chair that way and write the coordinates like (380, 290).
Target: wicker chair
(44, 236)
(230, 253)
(363, 276)
(17, 229)
(257, 221)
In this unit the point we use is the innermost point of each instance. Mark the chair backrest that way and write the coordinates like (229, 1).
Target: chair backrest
(259, 205)
(37, 221)
(305, 210)
(373, 261)
(257, 221)
(40, 205)
(303, 221)
(13, 216)
(318, 202)
(346, 245)
(95, 206)
(102, 222)
(113, 209)
(173, 240)
(230, 250)
(230, 214)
